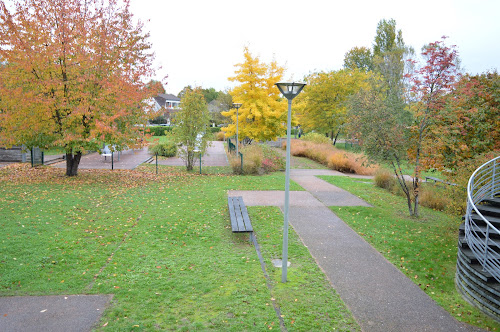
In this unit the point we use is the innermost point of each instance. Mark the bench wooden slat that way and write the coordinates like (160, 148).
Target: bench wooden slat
(246, 218)
(232, 213)
(240, 221)
(239, 217)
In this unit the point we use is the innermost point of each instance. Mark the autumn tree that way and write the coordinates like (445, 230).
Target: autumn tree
(73, 75)
(184, 90)
(156, 86)
(223, 103)
(210, 94)
(262, 115)
(431, 85)
(469, 124)
(389, 59)
(322, 105)
(191, 125)
(360, 58)
(381, 126)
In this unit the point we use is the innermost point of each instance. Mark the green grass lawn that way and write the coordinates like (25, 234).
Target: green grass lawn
(162, 244)
(424, 249)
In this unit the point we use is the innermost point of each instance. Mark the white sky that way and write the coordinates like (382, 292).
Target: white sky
(198, 42)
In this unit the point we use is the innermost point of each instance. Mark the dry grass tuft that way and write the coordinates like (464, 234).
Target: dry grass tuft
(434, 198)
(332, 157)
(220, 136)
(257, 159)
(385, 179)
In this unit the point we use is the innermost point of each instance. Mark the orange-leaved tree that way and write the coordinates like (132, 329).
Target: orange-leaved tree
(72, 75)
(262, 115)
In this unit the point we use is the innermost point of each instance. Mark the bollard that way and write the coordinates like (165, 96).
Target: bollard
(200, 162)
(241, 162)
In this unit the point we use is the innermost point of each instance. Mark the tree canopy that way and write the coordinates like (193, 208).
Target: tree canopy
(262, 115)
(191, 125)
(73, 77)
(323, 103)
(360, 58)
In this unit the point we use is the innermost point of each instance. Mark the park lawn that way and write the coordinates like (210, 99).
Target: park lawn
(162, 244)
(424, 249)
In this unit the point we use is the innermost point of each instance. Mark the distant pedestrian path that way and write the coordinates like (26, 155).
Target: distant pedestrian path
(128, 159)
(214, 156)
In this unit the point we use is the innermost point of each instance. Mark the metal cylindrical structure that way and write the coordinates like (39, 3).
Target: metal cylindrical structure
(284, 262)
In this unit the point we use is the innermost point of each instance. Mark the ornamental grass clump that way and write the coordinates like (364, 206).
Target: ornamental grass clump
(257, 159)
(385, 179)
(328, 155)
(316, 138)
(219, 136)
(431, 195)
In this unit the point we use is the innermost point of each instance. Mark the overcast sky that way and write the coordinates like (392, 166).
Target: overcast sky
(198, 42)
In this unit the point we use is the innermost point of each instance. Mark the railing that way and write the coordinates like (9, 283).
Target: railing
(483, 184)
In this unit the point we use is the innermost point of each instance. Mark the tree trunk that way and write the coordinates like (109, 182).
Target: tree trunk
(416, 192)
(72, 163)
(401, 179)
(189, 160)
(336, 136)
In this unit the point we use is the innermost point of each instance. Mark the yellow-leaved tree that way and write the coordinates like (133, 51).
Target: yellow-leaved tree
(262, 115)
(322, 105)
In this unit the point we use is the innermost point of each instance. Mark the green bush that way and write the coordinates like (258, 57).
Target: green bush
(214, 129)
(166, 149)
(316, 138)
(159, 130)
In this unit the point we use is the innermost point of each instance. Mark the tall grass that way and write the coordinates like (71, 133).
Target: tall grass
(333, 158)
(257, 159)
(431, 195)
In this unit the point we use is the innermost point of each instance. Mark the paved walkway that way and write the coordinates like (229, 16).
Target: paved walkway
(128, 159)
(51, 313)
(380, 297)
(214, 156)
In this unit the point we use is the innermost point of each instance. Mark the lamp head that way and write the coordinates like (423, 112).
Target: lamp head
(290, 90)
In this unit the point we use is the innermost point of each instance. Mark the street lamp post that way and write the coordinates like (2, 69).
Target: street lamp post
(237, 106)
(290, 91)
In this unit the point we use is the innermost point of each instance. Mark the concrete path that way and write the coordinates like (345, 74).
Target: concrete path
(214, 156)
(51, 313)
(380, 297)
(128, 159)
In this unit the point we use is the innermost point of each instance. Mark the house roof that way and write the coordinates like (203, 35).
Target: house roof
(169, 97)
(162, 98)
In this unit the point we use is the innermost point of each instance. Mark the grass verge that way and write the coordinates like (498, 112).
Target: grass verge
(162, 244)
(424, 249)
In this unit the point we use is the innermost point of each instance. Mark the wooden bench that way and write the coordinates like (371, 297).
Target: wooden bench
(240, 221)
(427, 178)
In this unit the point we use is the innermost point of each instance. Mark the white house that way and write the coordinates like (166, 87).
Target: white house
(167, 102)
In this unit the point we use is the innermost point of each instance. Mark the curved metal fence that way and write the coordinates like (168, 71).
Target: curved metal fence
(481, 235)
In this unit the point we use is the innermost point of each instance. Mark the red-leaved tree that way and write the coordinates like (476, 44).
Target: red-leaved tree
(72, 75)
(431, 84)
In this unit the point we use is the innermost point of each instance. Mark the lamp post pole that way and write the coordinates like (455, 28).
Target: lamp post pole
(284, 261)
(237, 106)
(290, 91)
